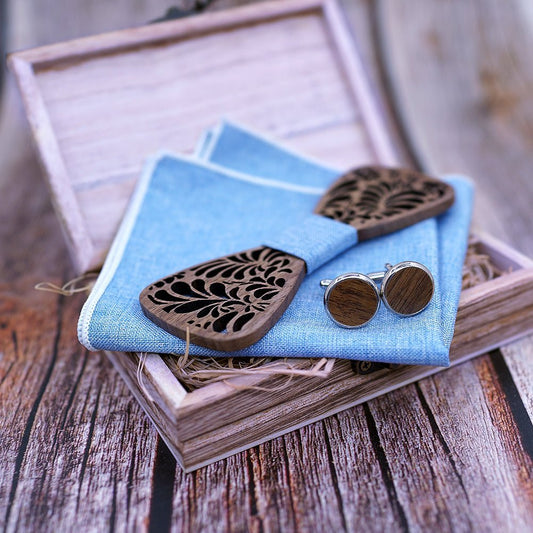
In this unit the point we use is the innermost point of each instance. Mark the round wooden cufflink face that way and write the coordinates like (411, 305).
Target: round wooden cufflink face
(351, 300)
(407, 288)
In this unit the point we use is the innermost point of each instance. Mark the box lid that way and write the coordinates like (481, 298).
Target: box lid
(99, 106)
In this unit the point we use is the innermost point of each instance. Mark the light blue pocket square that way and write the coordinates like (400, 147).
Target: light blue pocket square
(244, 193)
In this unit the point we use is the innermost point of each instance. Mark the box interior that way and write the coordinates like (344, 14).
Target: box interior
(109, 111)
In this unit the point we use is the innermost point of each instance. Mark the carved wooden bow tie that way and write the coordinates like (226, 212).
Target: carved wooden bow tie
(229, 303)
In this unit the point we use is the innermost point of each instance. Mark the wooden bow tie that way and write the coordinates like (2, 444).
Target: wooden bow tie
(230, 303)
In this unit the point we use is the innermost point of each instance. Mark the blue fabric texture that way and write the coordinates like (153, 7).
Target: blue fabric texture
(246, 192)
(315, 239)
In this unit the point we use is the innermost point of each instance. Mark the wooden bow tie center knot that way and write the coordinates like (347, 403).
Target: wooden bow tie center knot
(231, 302)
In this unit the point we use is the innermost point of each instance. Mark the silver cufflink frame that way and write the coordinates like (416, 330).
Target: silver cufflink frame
(372, 279)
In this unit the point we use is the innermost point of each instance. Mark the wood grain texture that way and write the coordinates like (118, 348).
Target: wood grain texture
(519, 359)
(451, 452)
(377, 200)
(351, 301)
(407, 288)
(462, 66)
(227, 303)
(75, 449)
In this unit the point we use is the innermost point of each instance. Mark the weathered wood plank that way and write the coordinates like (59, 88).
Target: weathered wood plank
(463, 85)
(73, 442)
(215, 498)
(365, 493)
(287, 484)
(75, 447)
(519, 359)
(457, 486)
(77, 444)
(484, 122)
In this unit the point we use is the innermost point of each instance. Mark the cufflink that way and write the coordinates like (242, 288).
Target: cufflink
(351, 300)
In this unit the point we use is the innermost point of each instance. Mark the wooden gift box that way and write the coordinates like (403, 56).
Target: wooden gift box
(98, 106)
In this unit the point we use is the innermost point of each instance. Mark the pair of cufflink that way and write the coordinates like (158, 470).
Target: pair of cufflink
(351, 300)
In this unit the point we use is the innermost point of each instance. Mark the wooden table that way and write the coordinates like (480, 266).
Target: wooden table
(452, 452)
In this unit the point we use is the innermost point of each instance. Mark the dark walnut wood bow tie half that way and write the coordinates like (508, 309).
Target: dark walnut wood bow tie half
(230, 303)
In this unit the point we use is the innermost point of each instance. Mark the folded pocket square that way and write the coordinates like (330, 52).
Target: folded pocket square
(244, 192)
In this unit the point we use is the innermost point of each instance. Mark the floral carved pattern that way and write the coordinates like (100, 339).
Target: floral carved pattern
(368, 195)
(224, 295)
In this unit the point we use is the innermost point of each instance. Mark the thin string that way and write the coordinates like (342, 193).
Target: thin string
(291, 373)
(140, 375)
(141, 365)
(70, 287)
(478, 268)
(200, 371)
